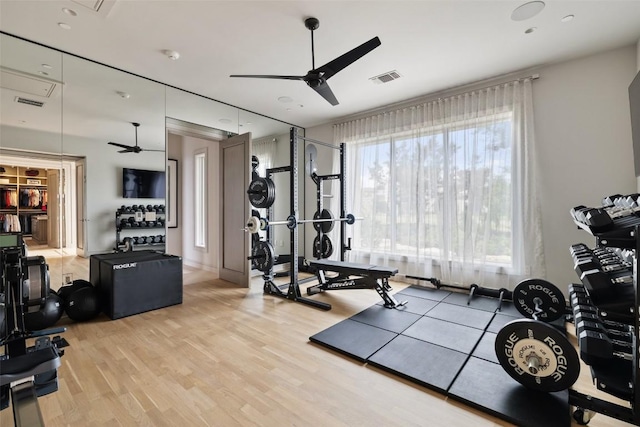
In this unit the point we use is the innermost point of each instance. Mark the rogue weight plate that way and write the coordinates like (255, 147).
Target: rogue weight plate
(262, 192)
(550, 300)
(322, 251)
(262, 255)
(537, 355)
(325, 226)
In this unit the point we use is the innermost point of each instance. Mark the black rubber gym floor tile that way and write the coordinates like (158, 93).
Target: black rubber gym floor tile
(461, 315)
(450, 335)
(508, 309)
(499, 320)
(488, 387)
(485, 348)
(427, 364)
(423, 292)
(386, 318)
(479, 303)
(353, 338)
(414, 304)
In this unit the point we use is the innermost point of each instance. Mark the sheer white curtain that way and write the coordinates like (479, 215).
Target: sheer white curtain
(264, 149)
(448, 188)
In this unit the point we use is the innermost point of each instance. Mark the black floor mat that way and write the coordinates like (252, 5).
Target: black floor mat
(488, 387)
(461, 315)
(386, 318)
(444, 344)
(354, 339)
(450, 335)
(427, 364)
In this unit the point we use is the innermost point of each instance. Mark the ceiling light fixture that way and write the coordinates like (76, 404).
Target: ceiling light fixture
(527, 10)
(530, 30)
(47, 66)
(123, 95)
(64, 25)
(285, 99)
(44, 73)
(171, 54)
(567, 18)
(69, 12)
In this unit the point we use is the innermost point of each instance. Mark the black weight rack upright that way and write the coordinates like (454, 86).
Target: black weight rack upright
(621, 233)
(293, 288)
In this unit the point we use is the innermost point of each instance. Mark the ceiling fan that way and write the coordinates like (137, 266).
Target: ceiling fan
(317, 78)
(132, 148)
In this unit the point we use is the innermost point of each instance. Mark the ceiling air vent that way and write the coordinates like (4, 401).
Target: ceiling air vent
(101, 6)
(27, 101)
(386, 77)
(26, 83)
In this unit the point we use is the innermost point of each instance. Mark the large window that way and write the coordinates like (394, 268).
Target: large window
(448, 188)
(458, 176)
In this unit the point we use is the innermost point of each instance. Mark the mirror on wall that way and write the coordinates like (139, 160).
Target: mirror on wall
(31, 166)
(81, 107)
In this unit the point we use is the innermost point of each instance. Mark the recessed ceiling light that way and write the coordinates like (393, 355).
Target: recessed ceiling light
(527, 10)
(171, 54)
(123, 95)
(224, 121)
(567, 18)
(530, 30)
(47, 66)
(69, 12)
(249, 123)
(64, 26)
(285, 99)
(44, 73)
(23, 121)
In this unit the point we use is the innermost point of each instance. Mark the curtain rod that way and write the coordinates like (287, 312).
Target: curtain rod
(441, 94)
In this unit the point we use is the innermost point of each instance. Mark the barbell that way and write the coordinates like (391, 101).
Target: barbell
(254, 224)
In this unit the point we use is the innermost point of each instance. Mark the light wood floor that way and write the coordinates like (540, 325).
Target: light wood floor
(235, 357)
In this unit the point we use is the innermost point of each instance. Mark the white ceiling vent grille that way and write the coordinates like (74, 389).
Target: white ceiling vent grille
(386, 77)
(27, 101)
(101, 6)
(26, 83)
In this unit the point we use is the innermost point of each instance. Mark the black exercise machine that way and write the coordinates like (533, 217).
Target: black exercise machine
(366, 277)
(26, 372)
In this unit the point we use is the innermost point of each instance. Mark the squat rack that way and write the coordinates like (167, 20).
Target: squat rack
(293, 288)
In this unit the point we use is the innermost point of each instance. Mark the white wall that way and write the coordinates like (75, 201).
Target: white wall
(583, 135)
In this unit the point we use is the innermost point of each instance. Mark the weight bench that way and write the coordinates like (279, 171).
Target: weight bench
(367, 277)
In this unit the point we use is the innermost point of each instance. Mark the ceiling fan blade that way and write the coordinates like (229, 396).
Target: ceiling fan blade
(128, 147)
(341, 62)
(325, 91)
(128, 150)
(151, 149)
(259, 76)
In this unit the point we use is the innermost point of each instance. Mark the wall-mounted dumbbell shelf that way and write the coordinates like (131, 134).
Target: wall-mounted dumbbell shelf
(140, 227)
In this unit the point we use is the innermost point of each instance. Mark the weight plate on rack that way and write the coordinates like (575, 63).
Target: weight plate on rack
(263, 256)
(262, 192)
(537, 355)
(322, 251)
(551, 303)
(325, 226)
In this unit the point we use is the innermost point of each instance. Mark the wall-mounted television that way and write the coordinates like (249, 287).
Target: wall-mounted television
(634, 104)
(143, 184)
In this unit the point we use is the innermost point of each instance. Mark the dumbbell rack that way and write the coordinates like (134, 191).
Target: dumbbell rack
(619, 233)
(147, 231)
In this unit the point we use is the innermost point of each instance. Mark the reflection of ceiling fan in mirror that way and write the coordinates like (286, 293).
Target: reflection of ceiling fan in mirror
(317, 78)
(132, 148)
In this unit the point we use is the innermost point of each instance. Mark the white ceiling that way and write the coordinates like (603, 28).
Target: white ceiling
(434, 45)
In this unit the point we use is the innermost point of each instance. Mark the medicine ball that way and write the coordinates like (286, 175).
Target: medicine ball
(83, 304)
(67, 290)
(48, 314)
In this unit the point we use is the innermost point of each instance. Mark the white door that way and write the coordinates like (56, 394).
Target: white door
(235, 173)
(53, 208)
(81, 221)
